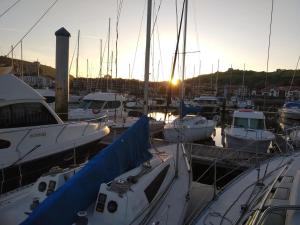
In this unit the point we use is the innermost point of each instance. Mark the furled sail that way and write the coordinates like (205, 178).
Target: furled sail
(127, 152)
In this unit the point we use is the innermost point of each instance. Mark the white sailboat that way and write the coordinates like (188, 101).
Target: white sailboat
(188, 128)
(267, 194)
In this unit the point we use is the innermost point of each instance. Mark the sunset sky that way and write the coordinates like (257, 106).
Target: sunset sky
(233, 31)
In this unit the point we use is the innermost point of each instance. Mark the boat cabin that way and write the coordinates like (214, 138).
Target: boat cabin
(248, 119)
(102, 100)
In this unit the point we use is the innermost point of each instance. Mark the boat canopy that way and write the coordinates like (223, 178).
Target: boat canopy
(77, 194)
(13, 88)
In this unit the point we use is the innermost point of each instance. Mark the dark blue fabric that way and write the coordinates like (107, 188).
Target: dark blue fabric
(295, 104)
(126, 153)
(189, 109)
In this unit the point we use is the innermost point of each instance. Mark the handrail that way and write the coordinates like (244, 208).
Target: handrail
(274, 208)
(64, 126)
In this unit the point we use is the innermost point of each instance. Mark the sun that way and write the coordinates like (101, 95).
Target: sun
(174, 81)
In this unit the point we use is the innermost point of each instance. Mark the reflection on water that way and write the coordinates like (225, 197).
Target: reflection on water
(159, 116)
(219, 139)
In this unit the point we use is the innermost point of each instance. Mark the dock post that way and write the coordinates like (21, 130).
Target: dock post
(62, 73)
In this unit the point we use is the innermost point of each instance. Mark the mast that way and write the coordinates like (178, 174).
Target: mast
(217, 76)
(22, 72)
(147, 57)
(12, 57)
(107, 68)
(183, 56)
(87, 73)
(243, 86)
(77, 58)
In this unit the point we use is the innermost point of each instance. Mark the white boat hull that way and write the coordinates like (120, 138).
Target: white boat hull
(247, 144)
(188, 133)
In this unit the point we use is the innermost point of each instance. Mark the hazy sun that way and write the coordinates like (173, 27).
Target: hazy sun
(174, 81)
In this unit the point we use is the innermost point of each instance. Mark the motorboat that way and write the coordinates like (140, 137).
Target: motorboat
(190, 128)
(98, 104)
(266, 194)
(290, 110)
(248, 131)
(33, 138)
(209, 105)
(126, 183)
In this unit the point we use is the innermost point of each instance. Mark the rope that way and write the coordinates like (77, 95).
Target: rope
(9, 8)
(76, 46)
(155, 20)
(33, 26)
(137, 44)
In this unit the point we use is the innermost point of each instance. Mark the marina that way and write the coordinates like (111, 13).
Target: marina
(149, 142)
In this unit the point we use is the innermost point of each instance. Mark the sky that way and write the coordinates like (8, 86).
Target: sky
(233, 32)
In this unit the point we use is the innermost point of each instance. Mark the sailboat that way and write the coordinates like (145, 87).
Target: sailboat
(126, 183)
(188, 128)
(266, 194)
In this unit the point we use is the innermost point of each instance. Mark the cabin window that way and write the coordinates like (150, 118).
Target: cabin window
(50, 99)
(112, 105)
(96, 104)
(84, 104)
(4, 144)
(25, 115)
(154, 186)
(257, 124)
(241, 122)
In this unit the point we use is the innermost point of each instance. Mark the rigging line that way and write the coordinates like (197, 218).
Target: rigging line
(33, 26)
(76, 46)
(196, 25)
(9, 8)
(155, 20)
(294, 75)
(269, 45)
(137, 44)
(161, 60)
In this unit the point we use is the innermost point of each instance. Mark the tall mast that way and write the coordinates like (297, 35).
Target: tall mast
(183, 52)
(77, 58)
(217, 77)
(22, 72)
(107, 68)
(243, 86)
(87, 73)
(147, 57)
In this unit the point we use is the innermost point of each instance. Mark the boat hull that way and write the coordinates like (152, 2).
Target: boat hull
(22, 174)
(173, 134)
(243, 144)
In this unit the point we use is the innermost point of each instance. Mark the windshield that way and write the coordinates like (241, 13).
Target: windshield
(91, 104)
(257, 124)
(240, 122)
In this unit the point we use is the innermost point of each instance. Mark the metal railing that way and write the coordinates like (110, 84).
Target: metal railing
(63, 125)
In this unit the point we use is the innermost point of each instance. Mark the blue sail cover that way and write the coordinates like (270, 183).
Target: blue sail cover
(292, 105)
(78, 193)
(189, 109)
